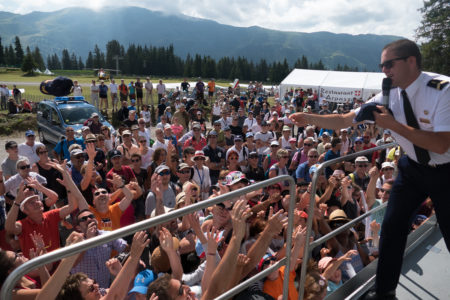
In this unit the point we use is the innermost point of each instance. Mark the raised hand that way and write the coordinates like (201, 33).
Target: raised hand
(212, 236)
(156, 183)
(277, 221)
(240, 213)
(165, 240)
(324, 252)
(299, 119)
(116, 181)
(242, 260)
(90, 150)
(300, 235)
(114, 266)
(140, 241)
(73, 238)
(348, 255)
(38, 241)
(373, 172)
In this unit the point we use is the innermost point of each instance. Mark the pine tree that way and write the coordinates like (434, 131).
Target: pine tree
(2, 54)
(18, 52)
(65, 60)
(28, 64)
(90, 61)
(38, 58)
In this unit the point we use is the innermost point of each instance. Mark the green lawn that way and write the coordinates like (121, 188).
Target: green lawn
(32, 93)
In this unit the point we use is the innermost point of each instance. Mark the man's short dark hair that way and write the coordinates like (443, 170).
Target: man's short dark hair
(335, 141)
(10, 144)
(406, 48)
(160, 287)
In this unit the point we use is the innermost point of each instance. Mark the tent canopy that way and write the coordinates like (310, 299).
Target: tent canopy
(334, 86)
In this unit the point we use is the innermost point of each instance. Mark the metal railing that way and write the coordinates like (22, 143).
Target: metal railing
(6, 292)
(310, 246)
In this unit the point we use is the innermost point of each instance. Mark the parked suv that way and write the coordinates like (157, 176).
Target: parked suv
(53, 116)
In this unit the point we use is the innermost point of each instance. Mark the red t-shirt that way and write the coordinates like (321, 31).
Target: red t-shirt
(197, 145)
(48, 228)
(374, 154)
(127, 174)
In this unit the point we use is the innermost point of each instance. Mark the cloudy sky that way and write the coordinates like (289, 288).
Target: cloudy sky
(400, 17)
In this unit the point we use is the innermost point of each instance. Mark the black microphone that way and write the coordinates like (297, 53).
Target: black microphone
(386, 87)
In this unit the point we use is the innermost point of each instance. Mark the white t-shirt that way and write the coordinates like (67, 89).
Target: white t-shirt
(30, 151)
(113, 88)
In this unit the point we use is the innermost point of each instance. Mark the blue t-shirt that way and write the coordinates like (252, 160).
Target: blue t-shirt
(64, 146)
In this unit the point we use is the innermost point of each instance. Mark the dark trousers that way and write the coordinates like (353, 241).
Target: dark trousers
(412, 186)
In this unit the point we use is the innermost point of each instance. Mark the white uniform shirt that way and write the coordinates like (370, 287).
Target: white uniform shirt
(250, 123)
(431, 108)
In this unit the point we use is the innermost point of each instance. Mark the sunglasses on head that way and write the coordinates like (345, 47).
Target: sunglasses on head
(85, 218)
(103, 192)
(24, 167)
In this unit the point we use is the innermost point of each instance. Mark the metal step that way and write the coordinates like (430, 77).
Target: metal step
(425, 272)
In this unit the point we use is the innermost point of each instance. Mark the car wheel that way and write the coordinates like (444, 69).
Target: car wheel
(42, 137)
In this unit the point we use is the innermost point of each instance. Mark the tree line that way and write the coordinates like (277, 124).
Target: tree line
(160, 61)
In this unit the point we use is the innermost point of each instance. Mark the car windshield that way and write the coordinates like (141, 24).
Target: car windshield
(78, 115)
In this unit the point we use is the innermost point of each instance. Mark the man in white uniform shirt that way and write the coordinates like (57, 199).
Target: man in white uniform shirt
(420, 123)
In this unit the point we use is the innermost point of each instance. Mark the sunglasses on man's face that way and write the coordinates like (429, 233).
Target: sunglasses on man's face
(164, 173)
(85, 218)
(24, 167)
(390, 63)
(103, 192)
(185, 172)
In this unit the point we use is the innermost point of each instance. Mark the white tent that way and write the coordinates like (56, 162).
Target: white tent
(334, 86)
(48, 72)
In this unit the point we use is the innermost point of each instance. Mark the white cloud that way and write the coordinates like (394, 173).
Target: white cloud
(340, 16)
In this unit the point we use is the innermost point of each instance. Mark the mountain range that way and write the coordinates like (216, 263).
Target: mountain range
(79, 29)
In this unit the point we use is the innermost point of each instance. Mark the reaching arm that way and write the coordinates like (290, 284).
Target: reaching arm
(333, 121)
(119, 287)
(52, 287)
(334, 265)
(166, 243)
(371, 187)
(90, 149)
(74, 195)
(52, 196)
(224, 272)
(211, 257)
(11, 224)
(274, 225)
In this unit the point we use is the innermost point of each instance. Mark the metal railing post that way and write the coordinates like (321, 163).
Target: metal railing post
(8, 285)
(308, 246)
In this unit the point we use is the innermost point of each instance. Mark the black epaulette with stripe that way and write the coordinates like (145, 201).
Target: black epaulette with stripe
(437, 84)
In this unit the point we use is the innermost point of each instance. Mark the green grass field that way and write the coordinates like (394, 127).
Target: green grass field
(32, 92)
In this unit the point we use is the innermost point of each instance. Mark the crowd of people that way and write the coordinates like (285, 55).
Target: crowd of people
(100, 182)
